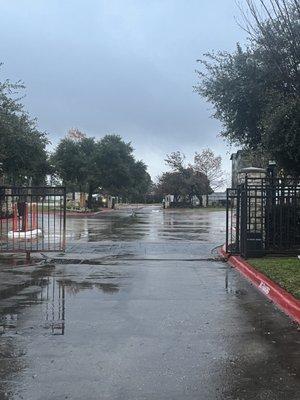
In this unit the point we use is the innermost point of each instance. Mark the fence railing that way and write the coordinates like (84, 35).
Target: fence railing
(263, 216)
(32, 219)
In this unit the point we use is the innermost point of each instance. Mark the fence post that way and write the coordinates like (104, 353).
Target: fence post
(227, 214)
(237, 232)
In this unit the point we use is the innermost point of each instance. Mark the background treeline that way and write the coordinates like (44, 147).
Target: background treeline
(81, 163)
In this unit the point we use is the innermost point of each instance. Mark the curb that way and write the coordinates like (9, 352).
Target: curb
(280, 297)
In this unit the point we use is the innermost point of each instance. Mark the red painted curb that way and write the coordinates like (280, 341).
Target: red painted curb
(280, 297)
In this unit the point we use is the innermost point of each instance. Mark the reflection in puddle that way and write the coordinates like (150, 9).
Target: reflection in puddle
(73, 287)
(51, 294)
(55, 299)
(55, 294)
(155, 225)
(101, 228)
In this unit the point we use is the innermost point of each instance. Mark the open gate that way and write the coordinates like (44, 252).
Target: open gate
(263, 216)
(32, 219)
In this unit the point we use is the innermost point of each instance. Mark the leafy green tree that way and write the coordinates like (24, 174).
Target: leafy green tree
(75, 162)
(86, 164)
(171, 183)
(67, 162)
(141, 182)
(91, 172)
(115, 160)
(255, 91)
(121, 173)
(23, 153)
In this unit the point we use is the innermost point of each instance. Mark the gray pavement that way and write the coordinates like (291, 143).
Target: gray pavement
(140, 308)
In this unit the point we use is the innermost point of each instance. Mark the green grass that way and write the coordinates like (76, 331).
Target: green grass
(284, 271)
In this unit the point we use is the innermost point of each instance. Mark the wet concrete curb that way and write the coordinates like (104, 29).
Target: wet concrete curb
(280, 297)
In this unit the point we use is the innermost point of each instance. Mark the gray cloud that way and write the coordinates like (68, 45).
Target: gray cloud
(122, 66)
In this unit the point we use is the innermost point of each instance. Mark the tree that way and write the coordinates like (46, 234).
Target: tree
(121, 173)
(91, 171)
(86, 164)
(67, 162)
(183, 181)
(172, 183)
(183, 185)
(210, 166)
(141, 181)
(255, 91)
(115, 158)
(175, 160)
(273, 32)
(75, 161)
(22, 146)
(75, 134)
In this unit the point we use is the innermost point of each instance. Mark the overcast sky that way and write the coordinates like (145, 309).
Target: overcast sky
(119, 66)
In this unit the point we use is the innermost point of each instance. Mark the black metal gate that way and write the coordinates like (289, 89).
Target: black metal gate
(32, 219)
(263, 216)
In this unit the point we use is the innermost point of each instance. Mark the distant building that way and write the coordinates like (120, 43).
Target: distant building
(169, 201)
(217, 199)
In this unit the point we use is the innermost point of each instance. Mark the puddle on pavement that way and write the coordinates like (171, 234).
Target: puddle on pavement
(51, 286)
(51, 294)
(154, 225)
(96, 229)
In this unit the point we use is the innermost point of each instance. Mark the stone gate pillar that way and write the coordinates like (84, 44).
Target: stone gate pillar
(252, 222)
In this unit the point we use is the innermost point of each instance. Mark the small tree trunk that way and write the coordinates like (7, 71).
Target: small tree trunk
(90, 197)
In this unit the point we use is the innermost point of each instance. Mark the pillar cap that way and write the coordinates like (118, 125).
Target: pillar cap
(253, 170)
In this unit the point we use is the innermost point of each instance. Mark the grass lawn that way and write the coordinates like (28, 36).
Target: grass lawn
(284, 271)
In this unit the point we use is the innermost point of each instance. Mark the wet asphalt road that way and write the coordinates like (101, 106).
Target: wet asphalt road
(139, 309)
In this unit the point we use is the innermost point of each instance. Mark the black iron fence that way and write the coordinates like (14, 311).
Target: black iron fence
(32, 219)
(263, 216)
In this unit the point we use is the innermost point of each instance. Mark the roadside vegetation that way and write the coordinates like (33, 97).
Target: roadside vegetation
(282, 270)
(255, 89)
